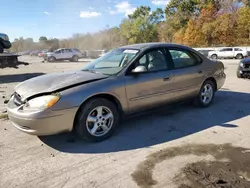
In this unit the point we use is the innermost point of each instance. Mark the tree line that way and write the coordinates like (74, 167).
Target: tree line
(196, 23)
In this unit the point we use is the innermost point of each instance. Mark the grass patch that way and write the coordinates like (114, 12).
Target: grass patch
(4, 116)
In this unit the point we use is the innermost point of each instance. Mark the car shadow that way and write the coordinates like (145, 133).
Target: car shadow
(18, 77)
(163, 125)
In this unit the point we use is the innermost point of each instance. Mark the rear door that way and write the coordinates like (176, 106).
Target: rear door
(153, 87)
(188, 73)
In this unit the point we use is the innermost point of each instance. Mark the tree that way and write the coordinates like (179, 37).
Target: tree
(193, 35)
(243, 28)
(225, 34)
(43, 39)
(141, 26)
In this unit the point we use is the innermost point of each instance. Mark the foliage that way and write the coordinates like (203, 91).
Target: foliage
(141, 26)
(197, 23)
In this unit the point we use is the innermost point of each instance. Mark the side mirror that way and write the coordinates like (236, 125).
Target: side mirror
(139, 69)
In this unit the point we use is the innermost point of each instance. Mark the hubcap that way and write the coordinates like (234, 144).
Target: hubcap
(99, 121)
(207, 94)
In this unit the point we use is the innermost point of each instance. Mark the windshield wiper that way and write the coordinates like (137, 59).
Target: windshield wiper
(92, 71)
(89, 70)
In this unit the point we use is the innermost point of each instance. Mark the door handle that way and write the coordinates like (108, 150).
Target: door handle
(167, 78)
(200, 71)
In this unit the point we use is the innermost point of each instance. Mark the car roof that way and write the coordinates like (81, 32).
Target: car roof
(144, 46)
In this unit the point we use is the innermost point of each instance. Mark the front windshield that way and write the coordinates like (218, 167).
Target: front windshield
(113, 62)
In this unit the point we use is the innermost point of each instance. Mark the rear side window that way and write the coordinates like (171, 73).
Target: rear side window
(226, 50)
(77, 50)
(238, 49)
(182, 59)
(67, 50)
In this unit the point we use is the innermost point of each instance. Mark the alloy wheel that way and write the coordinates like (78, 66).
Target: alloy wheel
(99, 121)
(207, 94)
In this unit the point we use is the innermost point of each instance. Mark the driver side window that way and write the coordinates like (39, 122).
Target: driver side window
(154, 60)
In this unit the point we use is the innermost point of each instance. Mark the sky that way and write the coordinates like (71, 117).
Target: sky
(63, 18)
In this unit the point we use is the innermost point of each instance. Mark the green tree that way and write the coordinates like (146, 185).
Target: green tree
(141, 26)
(243, 28)
(43, 39)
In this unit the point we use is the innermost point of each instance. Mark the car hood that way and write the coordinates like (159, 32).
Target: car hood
(49, 53)
(55, 82)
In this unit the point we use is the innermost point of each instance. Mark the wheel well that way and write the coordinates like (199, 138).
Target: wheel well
(105, 96)
(214, 81)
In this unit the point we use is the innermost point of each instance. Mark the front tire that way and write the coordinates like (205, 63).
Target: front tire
(239, 75)
(206, 94)
(51, 59)
(97, 120)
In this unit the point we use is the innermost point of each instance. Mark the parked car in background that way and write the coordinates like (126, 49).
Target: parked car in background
(95, 53)
(42, 53)
(71, 54)
(125, 81)
(103, 52)
(35, 52)
(205, 52)
(237, 53)
(27, 52)
(4, 42)
(243, 70)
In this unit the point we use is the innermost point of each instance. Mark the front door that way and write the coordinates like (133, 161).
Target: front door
(188, 73)
(66, 54)
(152, 87)
(229, 53)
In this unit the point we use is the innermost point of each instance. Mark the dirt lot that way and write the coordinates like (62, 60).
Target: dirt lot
(183, 147)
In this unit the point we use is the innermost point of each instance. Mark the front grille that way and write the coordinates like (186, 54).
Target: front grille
(17, 99)
(247, 66)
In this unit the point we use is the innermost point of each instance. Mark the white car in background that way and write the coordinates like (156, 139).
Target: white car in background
(237, 53)
(71, 54)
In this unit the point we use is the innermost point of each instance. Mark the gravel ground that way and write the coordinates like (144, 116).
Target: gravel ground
(184, 147)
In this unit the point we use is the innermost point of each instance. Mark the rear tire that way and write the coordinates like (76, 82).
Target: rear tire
(239, 56)
(97, 120)
(214, 56)
(75, 58)
(206, 94)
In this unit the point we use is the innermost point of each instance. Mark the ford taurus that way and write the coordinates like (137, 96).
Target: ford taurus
(126, 80)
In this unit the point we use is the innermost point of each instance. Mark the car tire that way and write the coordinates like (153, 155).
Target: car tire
(206, 94)
(93, 125)
(214, 56)
(75, 58)
(1, 48)
(51, 59)
(239, 56)
(239, 75)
